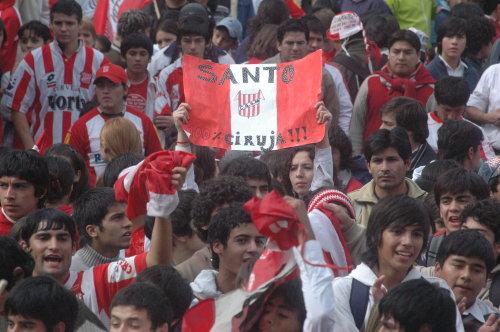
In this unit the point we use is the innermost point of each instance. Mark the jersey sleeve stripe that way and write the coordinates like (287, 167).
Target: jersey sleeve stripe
(30, 61)
(21, 92)
(48, 64)
(87, 67)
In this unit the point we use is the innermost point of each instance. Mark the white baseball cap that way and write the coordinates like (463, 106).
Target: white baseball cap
(345, 24)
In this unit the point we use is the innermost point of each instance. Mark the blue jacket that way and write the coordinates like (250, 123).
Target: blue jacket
(438, 70)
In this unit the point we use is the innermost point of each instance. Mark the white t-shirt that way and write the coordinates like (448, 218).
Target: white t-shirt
(486, 97)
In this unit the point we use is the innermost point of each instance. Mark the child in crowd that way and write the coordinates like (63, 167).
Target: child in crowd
(464, 260)
(395, 237)
(454, 190)
(483, 216)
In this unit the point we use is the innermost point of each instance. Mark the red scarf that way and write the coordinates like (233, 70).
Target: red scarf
(407, 86)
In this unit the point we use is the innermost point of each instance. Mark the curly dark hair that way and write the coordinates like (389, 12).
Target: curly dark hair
(480, 32)
(486, 213)
(215, 193)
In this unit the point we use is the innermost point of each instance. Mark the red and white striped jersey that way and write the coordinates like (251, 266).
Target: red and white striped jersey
(170, 90)
(97, 286)
(85, 137)
(54, 87)
(141, 96)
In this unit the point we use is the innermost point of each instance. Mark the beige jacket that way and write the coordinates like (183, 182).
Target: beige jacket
(364, 199)
(190, 268)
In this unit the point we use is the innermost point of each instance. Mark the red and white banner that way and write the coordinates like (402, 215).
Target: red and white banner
(107, 13)
(253, 107)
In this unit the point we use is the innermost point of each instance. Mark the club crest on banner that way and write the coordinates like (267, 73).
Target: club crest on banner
(249, 103)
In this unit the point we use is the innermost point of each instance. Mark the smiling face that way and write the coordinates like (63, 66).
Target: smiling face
(301, 173)
(450, 208)
(399, 247)
(244, 243)
(466, 276)
(51, 250)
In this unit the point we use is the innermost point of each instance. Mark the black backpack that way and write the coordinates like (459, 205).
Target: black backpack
(360, 71)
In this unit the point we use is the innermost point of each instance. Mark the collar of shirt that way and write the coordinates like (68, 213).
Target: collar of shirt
(7, 217)
(456, 72)
(367, 276)
(478, 310)
(56, 45)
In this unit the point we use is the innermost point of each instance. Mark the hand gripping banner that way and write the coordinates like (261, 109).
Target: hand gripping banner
(253, 107)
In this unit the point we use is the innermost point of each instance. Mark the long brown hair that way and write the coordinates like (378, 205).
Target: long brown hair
(119, 136)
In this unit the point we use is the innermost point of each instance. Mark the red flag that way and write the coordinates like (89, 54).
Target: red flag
(108, 12)
(253, 107)
(133, 185)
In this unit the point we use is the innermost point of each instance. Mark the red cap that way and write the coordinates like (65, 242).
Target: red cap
(114, 73)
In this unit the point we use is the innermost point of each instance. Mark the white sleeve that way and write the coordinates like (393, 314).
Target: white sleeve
(479, 98)
(344, 98)
(417, 173)
(162, 100)
(158, 62)
(190, 182)
(316, 287)
(88, 7)
(226, 59)
(323, 168)
(344, 321)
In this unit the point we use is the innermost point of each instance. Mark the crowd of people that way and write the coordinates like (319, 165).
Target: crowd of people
(111, 219)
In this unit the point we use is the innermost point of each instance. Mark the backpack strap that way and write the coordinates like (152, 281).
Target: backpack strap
(353, 65)
(494, 295)
(433, 249)
(358, 301)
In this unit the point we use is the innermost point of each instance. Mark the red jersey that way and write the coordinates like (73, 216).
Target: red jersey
(97, 286)
(12, 21)
(5, 224)
(54, 88)
(170, 89)
(141, 96)
(85, 137)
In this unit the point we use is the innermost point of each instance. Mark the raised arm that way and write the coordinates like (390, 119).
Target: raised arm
(181, 116)
(323, 161)
(161, 206)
